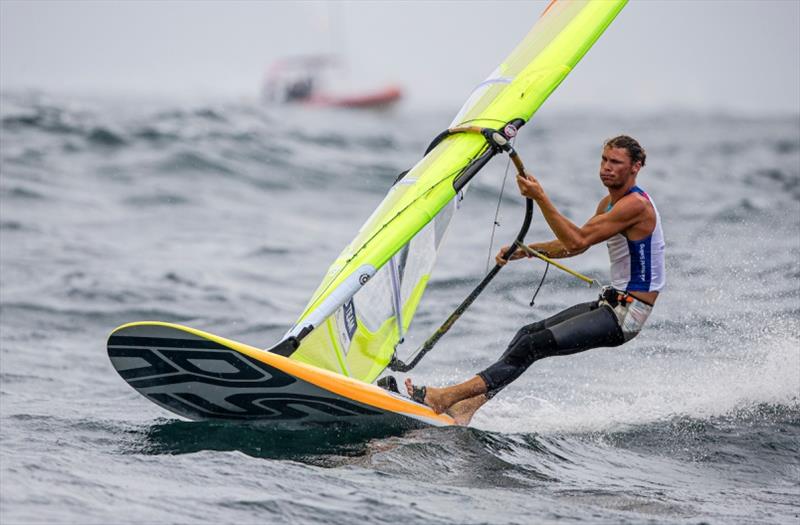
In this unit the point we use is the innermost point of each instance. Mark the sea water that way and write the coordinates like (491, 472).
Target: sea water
(225, 215)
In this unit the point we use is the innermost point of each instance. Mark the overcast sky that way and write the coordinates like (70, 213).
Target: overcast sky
(736, 55)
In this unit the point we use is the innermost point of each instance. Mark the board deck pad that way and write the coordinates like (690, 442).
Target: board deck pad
(201, 376)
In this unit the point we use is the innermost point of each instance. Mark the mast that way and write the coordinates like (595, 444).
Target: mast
(416, 211)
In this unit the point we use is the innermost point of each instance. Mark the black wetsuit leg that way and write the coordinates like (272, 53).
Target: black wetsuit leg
(578, 328)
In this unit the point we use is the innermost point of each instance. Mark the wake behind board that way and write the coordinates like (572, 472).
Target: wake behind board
(201, 376)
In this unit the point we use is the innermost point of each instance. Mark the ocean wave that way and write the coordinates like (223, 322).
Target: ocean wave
(104, 137)
(777, 179)
(46, 119)
(13, 226)
(660, 388)
(194, 162)
(21, 193)
(224, 216)
(160, 199)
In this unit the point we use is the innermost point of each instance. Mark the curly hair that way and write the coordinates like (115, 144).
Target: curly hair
(635, 150)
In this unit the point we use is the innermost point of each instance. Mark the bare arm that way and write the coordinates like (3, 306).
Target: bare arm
(554, 249)
(576, 239)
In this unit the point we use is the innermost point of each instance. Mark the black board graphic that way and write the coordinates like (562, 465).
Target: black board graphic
(202, 379)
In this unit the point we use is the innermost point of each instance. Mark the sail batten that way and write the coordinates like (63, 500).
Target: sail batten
(364, 306)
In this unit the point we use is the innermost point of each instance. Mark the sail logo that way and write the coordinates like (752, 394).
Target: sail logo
(350, 321)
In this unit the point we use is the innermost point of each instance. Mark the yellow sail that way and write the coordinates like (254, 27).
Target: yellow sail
(370, 293)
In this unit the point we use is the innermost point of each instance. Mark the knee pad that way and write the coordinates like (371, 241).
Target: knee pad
(533, 327)
(521, 334)
(526, 331)
(524, 349)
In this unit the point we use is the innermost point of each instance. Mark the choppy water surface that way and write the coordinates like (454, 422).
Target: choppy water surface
(224, 216)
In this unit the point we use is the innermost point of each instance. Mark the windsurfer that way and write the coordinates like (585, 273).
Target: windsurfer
(628, 221)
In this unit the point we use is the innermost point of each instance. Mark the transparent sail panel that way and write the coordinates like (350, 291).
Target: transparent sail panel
(381, 275)
(359, 338)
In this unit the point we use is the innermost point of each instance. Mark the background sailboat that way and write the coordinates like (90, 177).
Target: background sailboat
(324, 79)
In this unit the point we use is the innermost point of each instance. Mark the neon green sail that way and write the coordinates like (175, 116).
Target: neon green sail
(368, 297)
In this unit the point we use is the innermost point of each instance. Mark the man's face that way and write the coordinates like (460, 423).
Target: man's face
(616, 167)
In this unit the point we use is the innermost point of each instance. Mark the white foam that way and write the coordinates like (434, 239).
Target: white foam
(649, 387)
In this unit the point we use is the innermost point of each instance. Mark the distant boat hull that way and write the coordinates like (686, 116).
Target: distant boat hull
(382, 98)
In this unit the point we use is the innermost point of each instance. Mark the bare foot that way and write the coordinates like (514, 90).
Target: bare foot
(463, 411)
(433, 397)
(441, 399)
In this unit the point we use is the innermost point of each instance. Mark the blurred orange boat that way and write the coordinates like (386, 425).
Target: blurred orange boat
(380, 98)
(295, 80)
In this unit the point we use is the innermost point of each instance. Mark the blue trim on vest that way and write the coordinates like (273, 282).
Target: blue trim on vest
(636, 189)
(633, 189)
(640, 253)
(641, 265)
